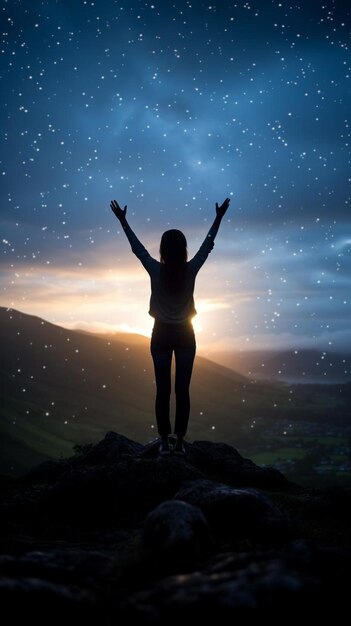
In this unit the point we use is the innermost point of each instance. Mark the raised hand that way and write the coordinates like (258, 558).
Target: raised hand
(221, 210)
(119, 213)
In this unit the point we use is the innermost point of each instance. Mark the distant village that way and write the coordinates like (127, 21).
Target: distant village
(304, 448)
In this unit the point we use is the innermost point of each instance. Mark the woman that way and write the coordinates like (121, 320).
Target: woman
(172, 306)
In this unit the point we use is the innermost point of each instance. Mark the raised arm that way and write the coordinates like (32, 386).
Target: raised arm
(200, 257)
(136, 245)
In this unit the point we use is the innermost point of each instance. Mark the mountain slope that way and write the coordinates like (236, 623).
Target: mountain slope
(303, 365)
(61, 387)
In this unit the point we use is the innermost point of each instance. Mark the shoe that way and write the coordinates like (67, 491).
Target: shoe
(179, 449)
(165, 448)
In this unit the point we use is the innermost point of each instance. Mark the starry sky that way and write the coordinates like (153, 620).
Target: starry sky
(170, 107)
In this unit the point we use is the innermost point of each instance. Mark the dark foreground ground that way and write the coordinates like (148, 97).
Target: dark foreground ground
(117, 533)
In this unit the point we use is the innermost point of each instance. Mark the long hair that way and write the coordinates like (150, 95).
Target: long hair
(173, 257)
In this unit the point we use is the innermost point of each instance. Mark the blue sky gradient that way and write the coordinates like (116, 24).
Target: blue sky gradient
(170, 107)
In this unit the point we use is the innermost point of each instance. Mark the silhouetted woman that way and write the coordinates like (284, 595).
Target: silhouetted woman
(172, 306)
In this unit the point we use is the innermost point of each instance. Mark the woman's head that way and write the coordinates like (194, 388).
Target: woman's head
(173, 248)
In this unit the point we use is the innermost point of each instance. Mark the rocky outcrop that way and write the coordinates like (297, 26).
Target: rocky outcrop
(118, 532)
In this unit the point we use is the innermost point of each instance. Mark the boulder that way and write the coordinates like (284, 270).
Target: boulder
(236, 514)
(223, 462)
(176, 531)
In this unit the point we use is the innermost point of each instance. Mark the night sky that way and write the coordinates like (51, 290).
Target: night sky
(170, 107)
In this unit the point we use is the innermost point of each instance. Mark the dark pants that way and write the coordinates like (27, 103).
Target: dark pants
(166, 339)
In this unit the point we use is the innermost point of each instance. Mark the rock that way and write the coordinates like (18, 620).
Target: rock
(216, 456)
(176, 531)
(219, 461)
(47, 470)
(261, 580)
(130, 487)
(222, 462)
(73, 566)
(111, 448)
(45, 602)
(151, 449)
(107, 452)
(75, 547)
(236, 514)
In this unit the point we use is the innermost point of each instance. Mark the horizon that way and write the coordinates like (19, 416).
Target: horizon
(102, 330)
(170, 109)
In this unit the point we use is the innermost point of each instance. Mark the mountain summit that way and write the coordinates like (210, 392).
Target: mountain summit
(117, 532)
